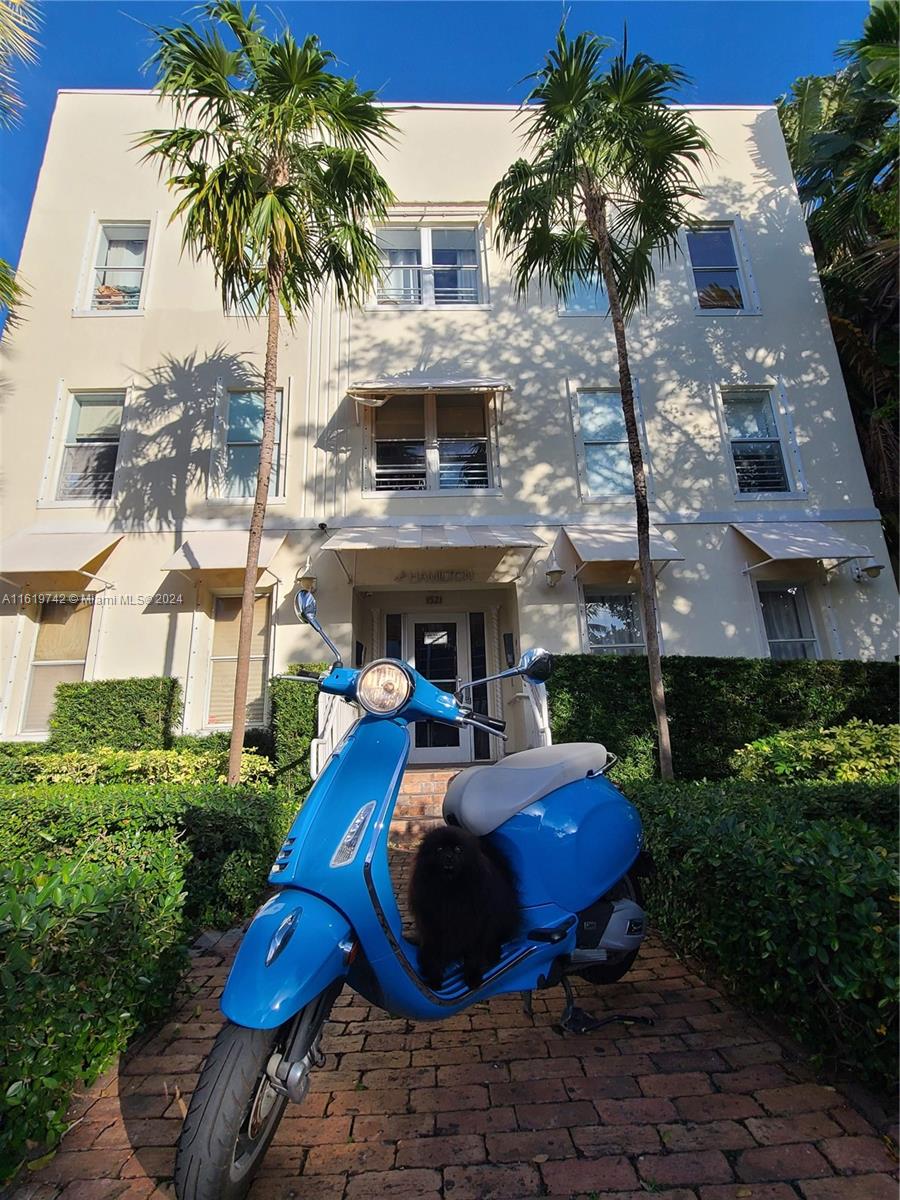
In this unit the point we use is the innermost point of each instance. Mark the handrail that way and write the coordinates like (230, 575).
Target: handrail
(334, 717)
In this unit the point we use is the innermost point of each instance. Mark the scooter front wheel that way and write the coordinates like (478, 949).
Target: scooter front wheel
(235, 1109)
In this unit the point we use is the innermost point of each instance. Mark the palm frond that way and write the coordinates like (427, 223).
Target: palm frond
(18, 45)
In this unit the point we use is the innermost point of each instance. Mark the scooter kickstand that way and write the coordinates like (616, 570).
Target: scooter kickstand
(527, 1005)
(576, 1020)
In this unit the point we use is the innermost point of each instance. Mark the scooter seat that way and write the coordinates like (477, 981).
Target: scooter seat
(481, 798)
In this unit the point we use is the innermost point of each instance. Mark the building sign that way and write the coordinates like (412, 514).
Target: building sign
(462, 575)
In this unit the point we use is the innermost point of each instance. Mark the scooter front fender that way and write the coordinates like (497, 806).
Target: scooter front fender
(290, 953)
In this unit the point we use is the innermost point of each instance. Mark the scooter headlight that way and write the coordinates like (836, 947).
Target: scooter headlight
(383, 688)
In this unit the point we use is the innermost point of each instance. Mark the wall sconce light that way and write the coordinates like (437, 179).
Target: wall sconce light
(866, 572)
(305, 579)
(553, 571)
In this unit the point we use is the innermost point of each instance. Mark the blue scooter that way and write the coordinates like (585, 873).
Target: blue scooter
(572, 838)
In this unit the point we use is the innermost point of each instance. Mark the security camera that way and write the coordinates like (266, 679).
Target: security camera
(323, 526)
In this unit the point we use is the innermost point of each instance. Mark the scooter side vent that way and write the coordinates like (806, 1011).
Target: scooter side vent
(284, 855)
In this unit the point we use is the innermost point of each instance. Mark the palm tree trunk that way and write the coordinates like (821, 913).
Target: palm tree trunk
(257, 519)
(595, 213)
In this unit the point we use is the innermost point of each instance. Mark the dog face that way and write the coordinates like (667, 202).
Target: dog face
(447, 853)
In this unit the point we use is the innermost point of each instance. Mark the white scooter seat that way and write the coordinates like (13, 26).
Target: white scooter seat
(482, 798)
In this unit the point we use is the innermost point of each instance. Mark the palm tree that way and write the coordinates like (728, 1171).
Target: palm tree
(18, 25)
(843, 139)
(604, 192)
(270, 162)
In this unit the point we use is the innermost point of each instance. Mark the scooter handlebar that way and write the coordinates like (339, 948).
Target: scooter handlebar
(492, 725)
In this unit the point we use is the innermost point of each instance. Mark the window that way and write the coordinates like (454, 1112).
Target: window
(243, 421)
(755, 442)
(613, 622)
(430, 443)
(92, 446)
(223, 660)
(587, 299)
(787, 621)
(118, 275)
(717, 274)
(60, 651)
(607, 465)
(428, 267)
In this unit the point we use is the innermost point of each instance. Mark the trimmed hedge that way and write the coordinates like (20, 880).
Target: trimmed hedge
(231, 835)
(294, 723)
(128, 714)
(790, 896)
(104, 765)
(716, 705)
(90, 948)
(859, 750)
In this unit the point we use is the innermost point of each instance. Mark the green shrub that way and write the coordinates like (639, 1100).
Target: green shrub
(128, 714)
(791, 899)
(89, 949)
(104, 765)
(859, 750)
(257, 740)
(231, 834)
(716, 705)
(294, 708)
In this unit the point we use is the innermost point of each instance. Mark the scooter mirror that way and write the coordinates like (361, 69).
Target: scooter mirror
(305, 607)
(536, 665)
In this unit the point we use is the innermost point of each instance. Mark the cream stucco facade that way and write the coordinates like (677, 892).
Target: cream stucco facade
(123, 386)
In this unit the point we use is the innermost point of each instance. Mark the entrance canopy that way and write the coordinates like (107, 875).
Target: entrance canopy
(784, 541)
(616, 544)
(33, 552)
(221, 550)
(434, 537)
(373, 393)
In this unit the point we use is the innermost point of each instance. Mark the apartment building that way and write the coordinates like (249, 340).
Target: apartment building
(451, 475)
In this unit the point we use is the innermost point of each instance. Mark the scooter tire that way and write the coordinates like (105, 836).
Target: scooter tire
(206, 1167)
(629, 888)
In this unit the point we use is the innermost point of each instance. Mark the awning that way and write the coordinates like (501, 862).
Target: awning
(34, 552)
(375, 392)
(781, 541)
(434, 537)
(612, 543)
(221, 550)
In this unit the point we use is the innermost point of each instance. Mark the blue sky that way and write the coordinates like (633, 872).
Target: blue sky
(736, 51)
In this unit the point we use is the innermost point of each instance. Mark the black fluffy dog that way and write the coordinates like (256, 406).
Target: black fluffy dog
(464, 900)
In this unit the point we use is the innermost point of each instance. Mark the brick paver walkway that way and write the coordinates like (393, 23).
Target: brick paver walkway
(495, 1104)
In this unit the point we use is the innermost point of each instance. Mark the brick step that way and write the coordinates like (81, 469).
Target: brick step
(419, 806)
(426, 783)
(407, 832)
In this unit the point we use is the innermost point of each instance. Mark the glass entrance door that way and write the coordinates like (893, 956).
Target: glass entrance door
(438, 648)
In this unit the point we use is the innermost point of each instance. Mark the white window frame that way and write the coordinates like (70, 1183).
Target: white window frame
(790, 449)
(613, 589)
(56, 446)
(744, 268)
(84, 296)
(586, 497)
(432, 458)
(267, 657)
(219, 447)
(577, 313)
(425, 228)
(764, 585)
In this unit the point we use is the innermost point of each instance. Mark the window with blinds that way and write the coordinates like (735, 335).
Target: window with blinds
(91, 450)
(755, 441)
(223, 660)
(60, 650)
